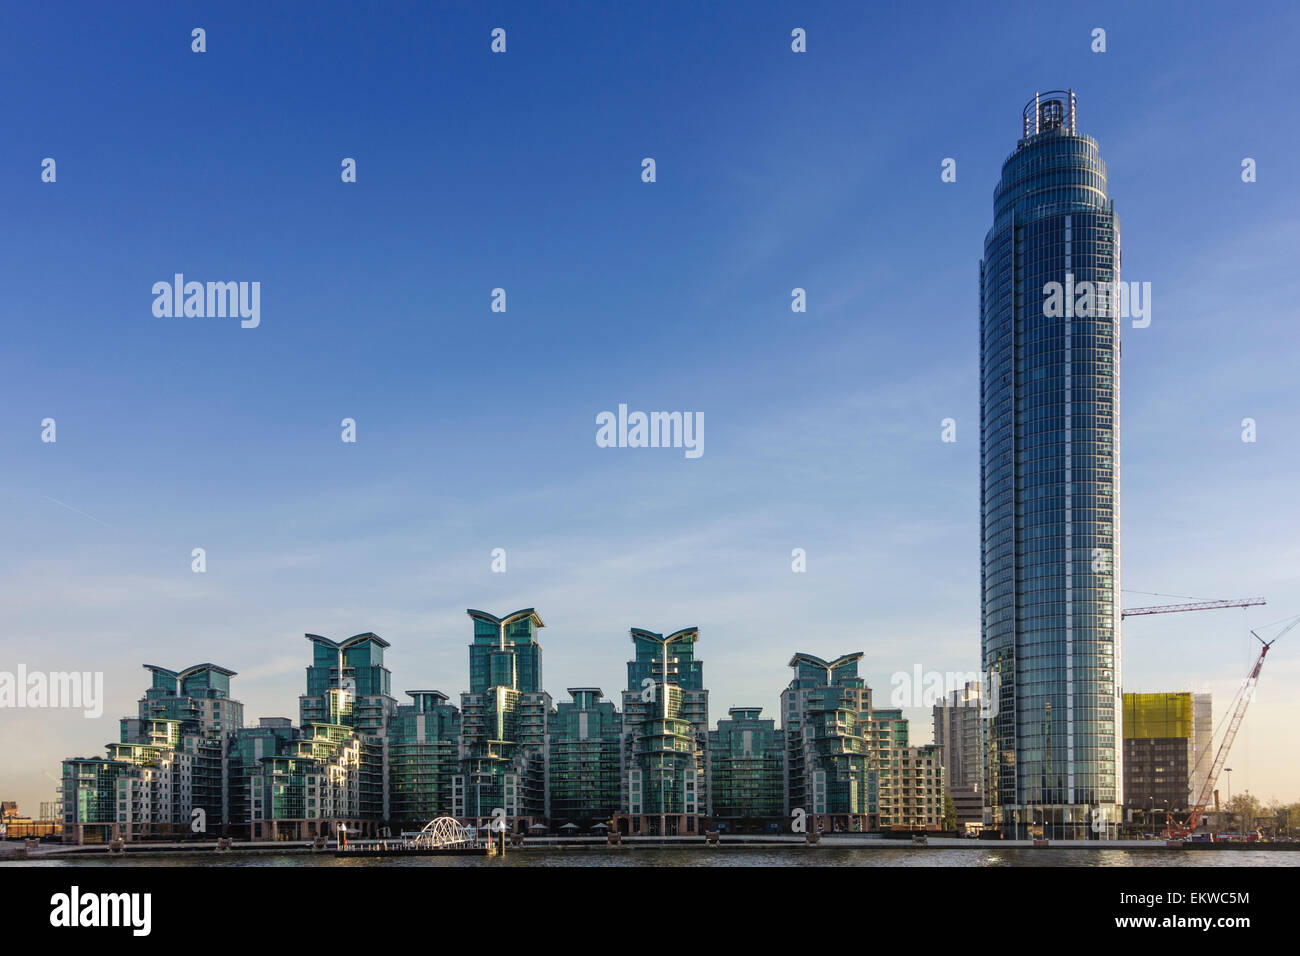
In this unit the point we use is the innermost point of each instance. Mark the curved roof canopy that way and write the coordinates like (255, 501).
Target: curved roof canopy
(193, 669)
(509, 618)
(687, 635)
(829, 665)
(350, 642)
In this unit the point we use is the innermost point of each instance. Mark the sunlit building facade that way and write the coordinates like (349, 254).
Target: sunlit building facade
(360, 763)
(665, 736)
(165, 774)
(1049, 478)
(826, 714)
(502, 779)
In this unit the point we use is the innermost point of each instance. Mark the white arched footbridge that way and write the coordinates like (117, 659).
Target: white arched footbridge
(444, 833)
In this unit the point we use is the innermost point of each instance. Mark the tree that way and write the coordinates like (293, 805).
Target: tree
(1245, 810)
(1285, 817)
(949, 812)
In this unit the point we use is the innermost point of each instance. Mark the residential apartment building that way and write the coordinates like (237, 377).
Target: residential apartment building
(423, 759)
(829, 773)
(165, 775)
(586, 769)
(502, 779)
(746, 772)
(360, 762)
(959, 731)
(665, 736)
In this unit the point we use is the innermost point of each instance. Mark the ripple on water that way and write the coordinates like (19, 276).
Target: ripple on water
(733, 856)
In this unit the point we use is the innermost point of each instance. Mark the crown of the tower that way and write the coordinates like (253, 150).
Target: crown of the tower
(1054, 109)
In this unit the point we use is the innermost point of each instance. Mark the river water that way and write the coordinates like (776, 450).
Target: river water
(725, 856)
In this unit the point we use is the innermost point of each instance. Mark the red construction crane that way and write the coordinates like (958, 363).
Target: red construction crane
(1197, 606)
(1238, 710)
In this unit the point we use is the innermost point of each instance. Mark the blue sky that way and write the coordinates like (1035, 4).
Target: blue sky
(476, 429)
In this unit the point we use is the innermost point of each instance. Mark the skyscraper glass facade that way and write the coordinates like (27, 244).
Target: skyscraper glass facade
(1049, 478)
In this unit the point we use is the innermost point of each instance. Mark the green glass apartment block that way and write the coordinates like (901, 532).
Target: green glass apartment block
(345, 718)
(328, 774)
(505, 651)
(198, 697)
(488, 777)
(283, 781)
(196, 704)
(245, 750)
(585, 764)
(187, 764)
(665, 730)
(347, 683)
(188, 776)
(423, 755)
(746, 768)
(647, 667)
(505, 721)
(361, 760)
(351, 771)
(88, 791)
(159, 733)
(827, 713)
(167, 764)
(279, 789)
(536, 711)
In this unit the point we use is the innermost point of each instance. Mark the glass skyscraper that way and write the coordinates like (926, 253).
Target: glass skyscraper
(1049, 483)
